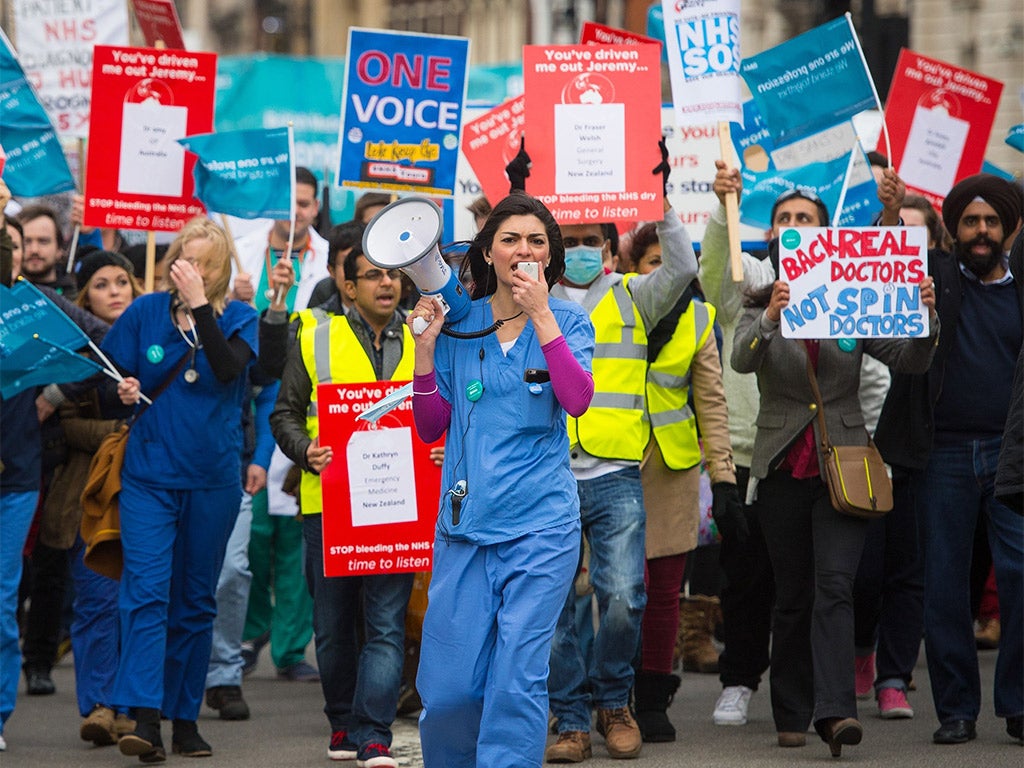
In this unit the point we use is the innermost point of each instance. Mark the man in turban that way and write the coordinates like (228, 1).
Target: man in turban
(946, 426)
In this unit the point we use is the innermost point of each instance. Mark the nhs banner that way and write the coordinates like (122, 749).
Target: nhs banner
(702, 39)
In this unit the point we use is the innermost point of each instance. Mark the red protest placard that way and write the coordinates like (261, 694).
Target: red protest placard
(158, 20)
(380, 490)
(598, 34)
(490, 142)
(939, 118)
(594, 117)
(143, 101)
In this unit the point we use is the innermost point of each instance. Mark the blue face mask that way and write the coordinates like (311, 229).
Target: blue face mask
(583, 263)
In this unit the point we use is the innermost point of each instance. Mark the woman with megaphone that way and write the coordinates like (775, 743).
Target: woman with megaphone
(508, 528)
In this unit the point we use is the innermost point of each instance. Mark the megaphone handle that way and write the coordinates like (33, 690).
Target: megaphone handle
(419, 325)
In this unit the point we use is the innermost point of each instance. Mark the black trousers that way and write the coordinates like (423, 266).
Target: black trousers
(814, 551)
(748, 593)
(42, 628)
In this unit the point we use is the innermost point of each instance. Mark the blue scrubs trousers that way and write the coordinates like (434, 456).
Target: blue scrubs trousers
(16, 510)
(486, 643)
(94, 634)
(174, 542)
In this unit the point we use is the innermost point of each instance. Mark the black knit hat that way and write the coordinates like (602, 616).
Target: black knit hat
(96, 260)
(1001, 194)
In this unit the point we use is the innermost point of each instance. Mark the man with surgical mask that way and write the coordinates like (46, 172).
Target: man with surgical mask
(606, 446)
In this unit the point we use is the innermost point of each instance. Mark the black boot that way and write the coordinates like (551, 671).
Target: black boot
(653, 693)
(145, 740)
(186, 741)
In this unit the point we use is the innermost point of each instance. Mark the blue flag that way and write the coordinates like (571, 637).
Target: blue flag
(814, 81)
(760, 190)
(37, 342)
(25, 310)
(1015, 137)
(35, 161)
(50, 364)
(248, 173)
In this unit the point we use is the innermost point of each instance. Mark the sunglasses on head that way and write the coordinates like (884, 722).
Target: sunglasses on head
(804, 192)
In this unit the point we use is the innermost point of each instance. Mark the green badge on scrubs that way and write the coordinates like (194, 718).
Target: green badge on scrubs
(155, 354)
(474, 390)
(847, 345)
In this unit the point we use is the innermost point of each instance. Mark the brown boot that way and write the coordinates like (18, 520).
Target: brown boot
(697, 616)
(571, 747)
(98, 726)
(621, 733)
(986, 634)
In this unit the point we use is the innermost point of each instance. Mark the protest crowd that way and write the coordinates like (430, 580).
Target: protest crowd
(633, 443)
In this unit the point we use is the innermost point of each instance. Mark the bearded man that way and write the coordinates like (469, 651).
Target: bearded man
(947, 425)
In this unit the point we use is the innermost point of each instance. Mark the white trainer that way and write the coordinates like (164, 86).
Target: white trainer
(732, 705)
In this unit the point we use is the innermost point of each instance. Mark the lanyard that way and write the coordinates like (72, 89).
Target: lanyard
(302, 251)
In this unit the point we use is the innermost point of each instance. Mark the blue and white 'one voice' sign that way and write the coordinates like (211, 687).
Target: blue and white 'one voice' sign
(401, 115)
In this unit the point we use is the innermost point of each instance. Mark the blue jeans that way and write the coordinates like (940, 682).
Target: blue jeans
(16, 510)
(957, 496)
(612, 512)
(360, 684)
(95, 634)
(232, 601)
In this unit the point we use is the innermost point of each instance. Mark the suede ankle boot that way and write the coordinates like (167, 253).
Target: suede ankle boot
(186, 741)
(653, 693)
(145, 740)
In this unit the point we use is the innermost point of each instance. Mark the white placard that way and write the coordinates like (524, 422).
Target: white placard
(55, 42)
(854, 282)
(152, 161)
(934, 148)
(702, 41)
(591, 151)
(382, 483)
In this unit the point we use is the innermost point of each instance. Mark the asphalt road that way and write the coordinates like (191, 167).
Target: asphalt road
(288, 728)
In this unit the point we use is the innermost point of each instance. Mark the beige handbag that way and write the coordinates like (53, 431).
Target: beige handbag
(858, 483)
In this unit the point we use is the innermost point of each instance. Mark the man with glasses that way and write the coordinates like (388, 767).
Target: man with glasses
(366, 341)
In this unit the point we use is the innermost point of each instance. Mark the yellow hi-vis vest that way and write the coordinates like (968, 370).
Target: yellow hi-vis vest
(668, 388)
(333, 355)
(614, 426)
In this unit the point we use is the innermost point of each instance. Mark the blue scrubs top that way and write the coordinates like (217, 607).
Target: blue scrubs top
(191, 437)
(510, 446)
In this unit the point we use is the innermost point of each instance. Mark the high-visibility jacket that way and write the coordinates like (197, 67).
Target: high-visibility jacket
(668, 388)
(334, 355)
(614, 426)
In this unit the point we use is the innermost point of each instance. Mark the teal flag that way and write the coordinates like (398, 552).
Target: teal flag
(811, 82)
(35, 161)
(247, 173)
(50, 364)
(761, 190)
(1015, 137)
(37, 342)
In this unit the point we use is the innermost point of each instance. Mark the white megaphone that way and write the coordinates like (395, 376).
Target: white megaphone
(404, 235)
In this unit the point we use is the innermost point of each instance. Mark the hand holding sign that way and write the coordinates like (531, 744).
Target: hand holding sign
(317, 456)
(778, 302)
(891, 191)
